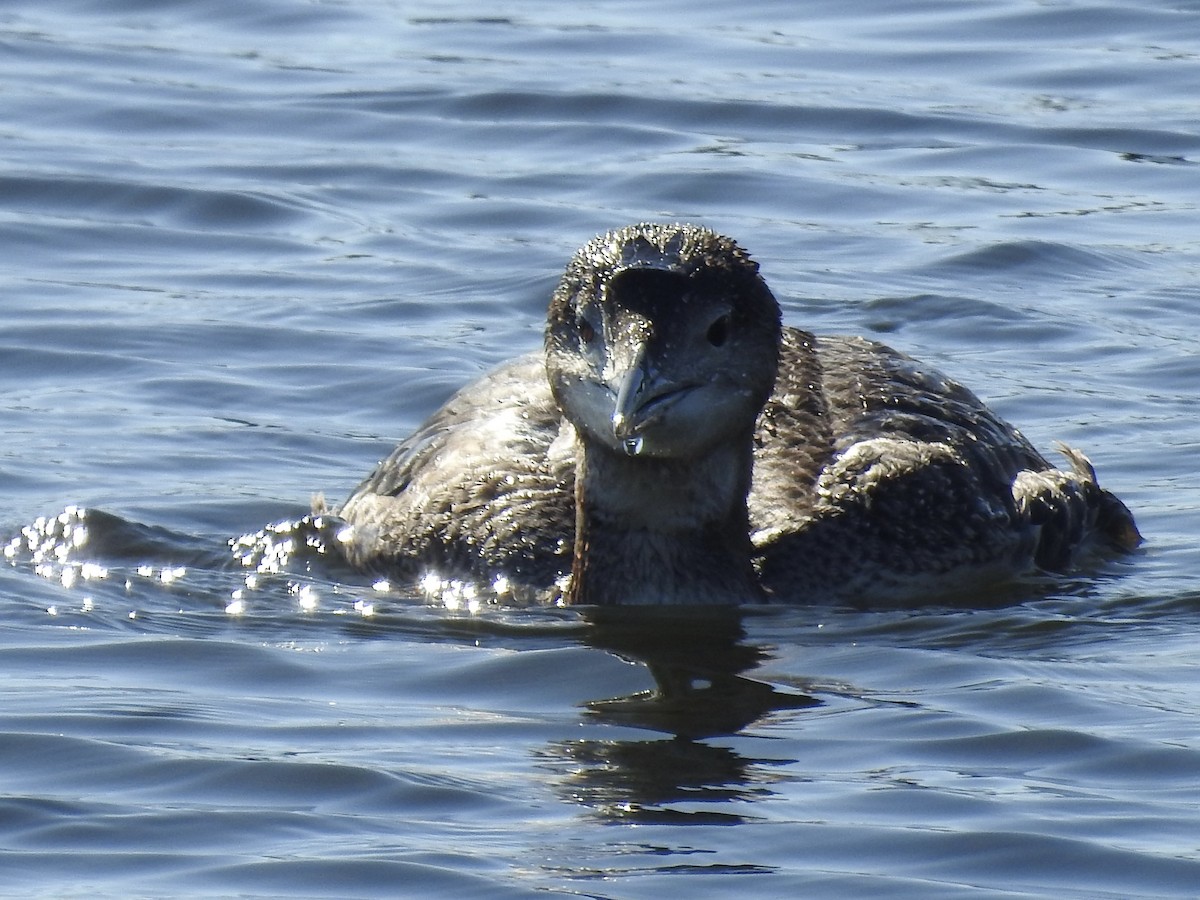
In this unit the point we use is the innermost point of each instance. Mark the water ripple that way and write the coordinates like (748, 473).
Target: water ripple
(249, 245)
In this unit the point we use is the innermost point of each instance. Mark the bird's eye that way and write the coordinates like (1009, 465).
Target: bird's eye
(718, 331)
(587, 333)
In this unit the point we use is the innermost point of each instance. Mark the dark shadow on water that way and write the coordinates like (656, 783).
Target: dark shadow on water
(672, 782)
(699, 660)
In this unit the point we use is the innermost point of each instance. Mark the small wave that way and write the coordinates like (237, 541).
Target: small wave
(114, 572)
(83, 548)
(1047, 258)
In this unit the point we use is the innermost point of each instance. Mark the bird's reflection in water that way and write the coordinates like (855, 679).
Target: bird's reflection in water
(701, 691)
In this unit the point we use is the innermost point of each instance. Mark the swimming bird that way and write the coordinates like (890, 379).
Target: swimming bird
(674, 444)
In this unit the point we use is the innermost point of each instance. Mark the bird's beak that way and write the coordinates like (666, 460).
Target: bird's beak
(630, 387)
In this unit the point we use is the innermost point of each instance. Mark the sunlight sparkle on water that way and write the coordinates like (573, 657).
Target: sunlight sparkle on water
(306, 596)
(451, 593)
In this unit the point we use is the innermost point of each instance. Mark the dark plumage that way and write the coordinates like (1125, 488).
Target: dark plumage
(675, 445)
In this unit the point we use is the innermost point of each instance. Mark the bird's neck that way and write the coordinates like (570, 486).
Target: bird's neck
(661, 532)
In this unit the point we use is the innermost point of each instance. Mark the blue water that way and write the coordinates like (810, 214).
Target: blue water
(246, 246)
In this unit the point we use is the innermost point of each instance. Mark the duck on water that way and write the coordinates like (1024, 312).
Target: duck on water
(674, 444)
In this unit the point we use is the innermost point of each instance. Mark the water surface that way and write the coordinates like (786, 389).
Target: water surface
(245, 247)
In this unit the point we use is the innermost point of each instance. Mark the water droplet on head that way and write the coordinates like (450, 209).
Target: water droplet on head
(632, 445)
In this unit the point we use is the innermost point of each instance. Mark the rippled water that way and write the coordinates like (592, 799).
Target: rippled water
(246, 246)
